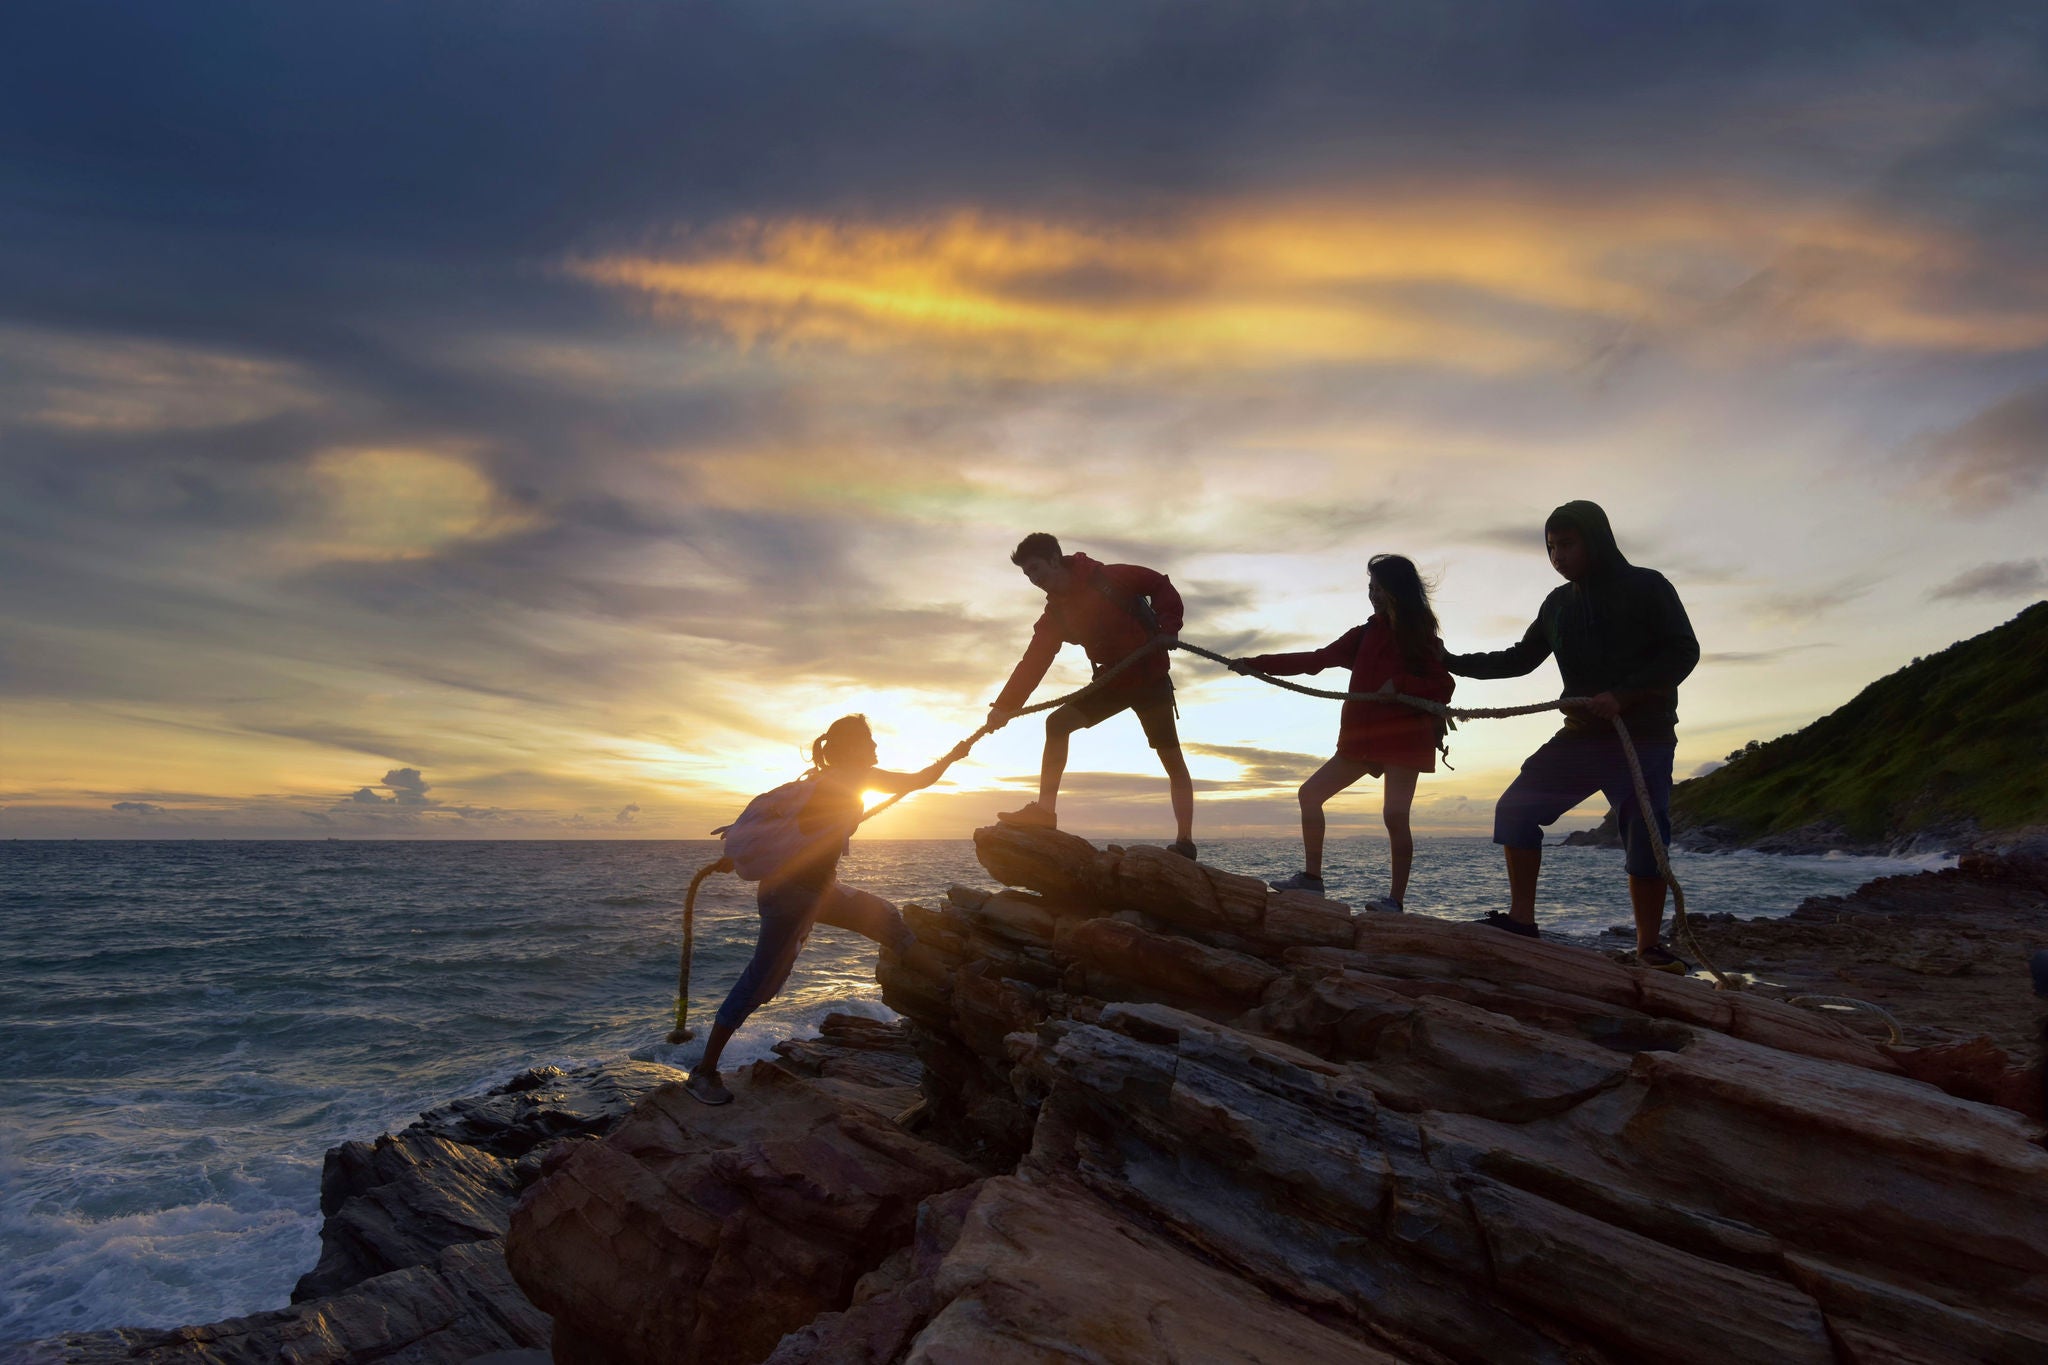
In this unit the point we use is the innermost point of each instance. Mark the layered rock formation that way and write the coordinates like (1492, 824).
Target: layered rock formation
(412, 1266)
(1167, 1115)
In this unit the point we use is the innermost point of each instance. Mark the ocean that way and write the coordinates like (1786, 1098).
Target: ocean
(187, 1027)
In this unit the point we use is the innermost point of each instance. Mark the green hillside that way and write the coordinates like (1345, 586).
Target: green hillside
(1959, 736)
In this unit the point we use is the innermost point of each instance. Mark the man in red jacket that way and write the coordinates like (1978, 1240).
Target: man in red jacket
(1104, 608)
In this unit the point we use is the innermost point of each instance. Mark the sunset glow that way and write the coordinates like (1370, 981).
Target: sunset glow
(584, 458)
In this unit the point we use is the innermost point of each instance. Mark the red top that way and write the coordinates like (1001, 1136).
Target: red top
(1375, 732)
(1101, 622)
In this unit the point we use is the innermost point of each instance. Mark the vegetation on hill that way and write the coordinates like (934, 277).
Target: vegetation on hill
(1954, 739)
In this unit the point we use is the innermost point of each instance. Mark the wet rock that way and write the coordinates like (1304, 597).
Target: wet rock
(451, 1176)
(459, 1308)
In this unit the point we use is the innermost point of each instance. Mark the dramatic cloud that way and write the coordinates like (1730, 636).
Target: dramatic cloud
(137, 808)
(644, 387)
(2010, 578)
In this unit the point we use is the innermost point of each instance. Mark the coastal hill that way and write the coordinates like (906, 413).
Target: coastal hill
(1951, 747)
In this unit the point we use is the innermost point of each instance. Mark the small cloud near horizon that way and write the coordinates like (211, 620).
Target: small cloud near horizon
(2007, 578)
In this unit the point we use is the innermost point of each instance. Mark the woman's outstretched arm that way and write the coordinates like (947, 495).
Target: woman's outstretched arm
(882, 780)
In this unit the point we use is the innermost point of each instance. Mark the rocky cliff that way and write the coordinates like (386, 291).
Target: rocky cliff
(1160, 1113)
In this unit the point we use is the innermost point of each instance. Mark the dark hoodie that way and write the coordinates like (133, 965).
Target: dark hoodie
(1621, 630)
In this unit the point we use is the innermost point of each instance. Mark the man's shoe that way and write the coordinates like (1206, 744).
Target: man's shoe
(1300, 881)
(1030, 815)
(1662, 959)
(705, 1087)
(1184, 847)
(1514, 926)
(1386, 905)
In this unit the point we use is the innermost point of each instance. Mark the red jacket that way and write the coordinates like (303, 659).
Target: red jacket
(1372, 731)
(1098, 621)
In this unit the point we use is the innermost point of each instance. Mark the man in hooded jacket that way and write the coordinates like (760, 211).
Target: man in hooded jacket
(1622, 639)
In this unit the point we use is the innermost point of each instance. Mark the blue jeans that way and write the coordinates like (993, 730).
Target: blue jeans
(788, 910)
(1571, 768)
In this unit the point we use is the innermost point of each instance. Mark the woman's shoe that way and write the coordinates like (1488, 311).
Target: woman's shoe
(705, 1087)
(1300, 881)
(1184, 847)
(1658, 958)
(1386, 905)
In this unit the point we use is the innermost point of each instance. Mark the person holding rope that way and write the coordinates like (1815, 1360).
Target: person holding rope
(805, 891)
(1622, 641)
(1395, 651)
(1110, 610)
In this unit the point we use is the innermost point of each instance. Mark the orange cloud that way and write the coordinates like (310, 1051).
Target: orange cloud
(1485, 283)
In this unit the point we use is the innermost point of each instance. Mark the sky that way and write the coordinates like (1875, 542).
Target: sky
(536, 420)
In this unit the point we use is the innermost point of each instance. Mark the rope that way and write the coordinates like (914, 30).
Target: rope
(1679, 922)
(1898, 1034)
(1452, 714)
(682, 1032)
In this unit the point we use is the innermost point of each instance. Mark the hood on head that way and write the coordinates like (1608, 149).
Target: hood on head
(1589, 519)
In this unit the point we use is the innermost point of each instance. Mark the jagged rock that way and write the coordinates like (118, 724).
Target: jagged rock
(1166, 1114)
(705, 1234)
(1049, 1272)
(450, 1177)
(412, 1267)
(461, 1307)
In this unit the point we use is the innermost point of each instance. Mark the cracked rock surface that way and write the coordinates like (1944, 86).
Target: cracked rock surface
(1163, 1114)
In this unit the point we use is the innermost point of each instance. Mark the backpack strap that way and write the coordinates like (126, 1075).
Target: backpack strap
(1137, 607)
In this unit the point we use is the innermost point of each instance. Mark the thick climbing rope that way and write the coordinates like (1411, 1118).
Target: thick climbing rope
(682, 1032)
(1450, 714)
(1722, 981)
(1824, 1001)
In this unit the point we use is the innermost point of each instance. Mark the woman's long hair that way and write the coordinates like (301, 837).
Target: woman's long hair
(1415, 627)
(837, 733)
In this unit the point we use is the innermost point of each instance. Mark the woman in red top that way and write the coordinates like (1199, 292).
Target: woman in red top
(1397, 650)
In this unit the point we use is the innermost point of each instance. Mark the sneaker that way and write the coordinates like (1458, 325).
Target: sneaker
(1300, 881)
(1184, 847)
(1661, 959)
(1030, 815)
(1514, 926)
(705, 1087)
(1386, 905)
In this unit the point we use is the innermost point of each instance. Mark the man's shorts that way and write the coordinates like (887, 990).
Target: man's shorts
(1153, 701)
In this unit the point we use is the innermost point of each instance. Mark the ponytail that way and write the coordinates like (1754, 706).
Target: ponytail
(845, 728)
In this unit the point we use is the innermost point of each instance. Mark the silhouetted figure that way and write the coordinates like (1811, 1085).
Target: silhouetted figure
(1396, 650)
(1109, 610)
(806, 890)
(1622, 639)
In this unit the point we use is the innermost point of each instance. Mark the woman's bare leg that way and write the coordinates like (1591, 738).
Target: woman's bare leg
(1333, 777)
(867, 914)
(1395, 801)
